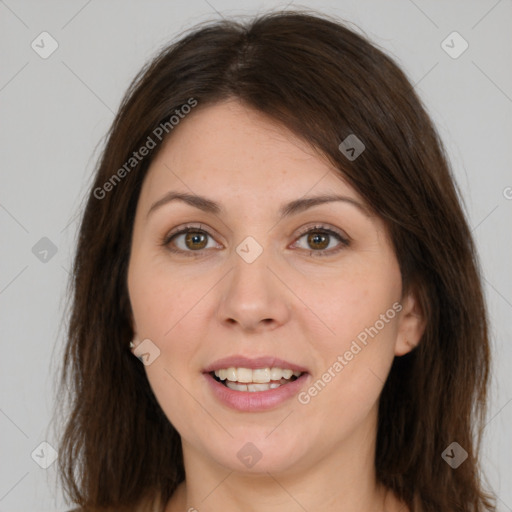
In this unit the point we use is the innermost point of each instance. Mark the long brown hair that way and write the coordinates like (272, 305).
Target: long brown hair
(324, 82)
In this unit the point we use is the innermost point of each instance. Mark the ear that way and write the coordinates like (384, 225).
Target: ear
(135, 340)
(134, 343)
(411, 324)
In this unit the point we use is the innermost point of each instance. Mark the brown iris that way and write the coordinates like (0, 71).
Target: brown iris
(194, 237)
(315, 240)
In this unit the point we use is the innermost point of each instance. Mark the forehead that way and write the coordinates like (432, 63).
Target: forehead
(235, 150)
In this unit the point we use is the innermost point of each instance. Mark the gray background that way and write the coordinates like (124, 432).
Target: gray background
(55, 112)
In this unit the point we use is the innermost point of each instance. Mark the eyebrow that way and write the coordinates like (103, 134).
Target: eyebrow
(286, 210)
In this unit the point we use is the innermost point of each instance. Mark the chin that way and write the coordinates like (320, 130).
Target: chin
(260, 456)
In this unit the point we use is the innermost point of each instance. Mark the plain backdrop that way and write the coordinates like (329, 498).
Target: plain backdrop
(56, 110)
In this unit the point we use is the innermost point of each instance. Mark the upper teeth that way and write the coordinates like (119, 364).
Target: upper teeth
(260, 375)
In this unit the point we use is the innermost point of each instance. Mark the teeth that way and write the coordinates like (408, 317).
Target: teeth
(258, 387)
(236, 387)
(275, 373)
(258, 376)
(287, 374)
(244, 375)
(261, 375)
(230, 374)
(251, 388)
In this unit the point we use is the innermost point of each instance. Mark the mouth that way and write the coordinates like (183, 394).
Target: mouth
(255, 380)
(254, 385)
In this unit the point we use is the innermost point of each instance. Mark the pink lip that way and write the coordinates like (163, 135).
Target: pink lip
(258, 362)
(246, 401)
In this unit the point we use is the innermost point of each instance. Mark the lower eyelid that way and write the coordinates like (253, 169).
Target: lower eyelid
(343, 241)
(167, 241)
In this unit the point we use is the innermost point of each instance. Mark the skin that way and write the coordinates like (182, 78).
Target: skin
(288, 303)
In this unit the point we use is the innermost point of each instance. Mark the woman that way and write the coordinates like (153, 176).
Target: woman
(277, 302)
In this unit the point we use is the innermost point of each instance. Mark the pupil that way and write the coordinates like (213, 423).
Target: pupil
(318, 240)
(195, 237)
(314, 240)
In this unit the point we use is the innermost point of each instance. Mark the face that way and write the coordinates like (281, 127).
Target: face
(240, 281)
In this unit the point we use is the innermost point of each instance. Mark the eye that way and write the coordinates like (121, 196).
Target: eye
(189, 239)
(320, 241)
(192, 240)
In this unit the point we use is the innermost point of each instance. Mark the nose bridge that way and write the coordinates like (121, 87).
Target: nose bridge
(253, 295)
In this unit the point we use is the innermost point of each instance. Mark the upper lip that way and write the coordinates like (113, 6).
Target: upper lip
(239, 361)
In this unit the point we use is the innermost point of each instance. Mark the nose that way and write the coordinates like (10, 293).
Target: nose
(254, 298)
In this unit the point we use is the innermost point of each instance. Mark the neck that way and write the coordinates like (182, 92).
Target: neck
(337, 479)
(232, 492)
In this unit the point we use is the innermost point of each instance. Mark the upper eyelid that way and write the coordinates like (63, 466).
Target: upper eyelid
(326, 227)
(302, 231)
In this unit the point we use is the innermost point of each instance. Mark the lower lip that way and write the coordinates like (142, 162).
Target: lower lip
(258, 400)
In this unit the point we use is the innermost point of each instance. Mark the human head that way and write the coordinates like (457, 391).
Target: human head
(323, 82)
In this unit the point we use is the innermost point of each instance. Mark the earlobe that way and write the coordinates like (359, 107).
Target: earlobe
(404, 347)
(133, 343)
(135, 340)
(412, 324)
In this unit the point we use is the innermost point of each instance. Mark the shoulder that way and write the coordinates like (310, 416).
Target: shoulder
(88, 509)
(136, 508)
(145, 505)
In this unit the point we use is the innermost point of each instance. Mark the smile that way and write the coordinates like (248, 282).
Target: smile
(254, 384)
(259, 379)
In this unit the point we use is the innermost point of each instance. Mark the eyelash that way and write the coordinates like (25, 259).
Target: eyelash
(344, 242)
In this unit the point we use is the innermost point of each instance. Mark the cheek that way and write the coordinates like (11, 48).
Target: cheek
(361, 311)
(169, 309)
(171, 322)
(159, 298)
(166, 312)
(347, 386)
(341, 306)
